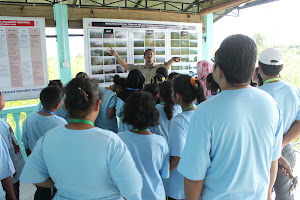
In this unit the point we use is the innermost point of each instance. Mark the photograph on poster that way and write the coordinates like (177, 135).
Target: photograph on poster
(106, 52)
(174, 35)
(121, 69)
(109, 43)
(97, 52)
(109, 69)
(193, 65)
(123, 58)
(159, 35)
(160, 51)
(95, 44)
(184, 35)
(109, 61)
(193, 58)
(96, 34)
(100, 78)
(122, 52)
(149, 34)
(175, 51)
(184, 43)
(193, 36)
(160, 43)
(138, 59)
(160, 59)
(121, 43)
(138, 43)
(193, 51)
(193, 43)
(139, 35)
(109, 78)
(185, 58)
(121, 34)
(97, 70)
(108, 33)
(149, 43)
(184, 51)
(139, 51)
(174, 43)
(96, 61)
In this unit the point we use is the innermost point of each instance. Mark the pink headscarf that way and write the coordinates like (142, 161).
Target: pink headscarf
(204, 67)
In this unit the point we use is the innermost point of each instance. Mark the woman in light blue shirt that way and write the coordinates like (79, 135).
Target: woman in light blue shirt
(81, 160)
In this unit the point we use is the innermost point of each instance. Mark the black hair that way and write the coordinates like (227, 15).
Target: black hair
(81, 96)
(81, 74)
(51, 96)
(270, 70)
(162, 71)
(236, 57)
(210, 79)
(153, 89)
(183, 86)
(56, 83)
(135, 81)
(120, 81)
(259, 77)
(148, 50)
(166, 92)
(158, 79)
(140, 111)
(173, 76)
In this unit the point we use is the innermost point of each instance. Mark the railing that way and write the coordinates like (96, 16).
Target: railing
(16, 113)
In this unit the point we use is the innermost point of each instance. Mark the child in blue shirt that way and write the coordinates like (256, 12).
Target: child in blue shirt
(149, 151)
(186, 90)
(81, 160)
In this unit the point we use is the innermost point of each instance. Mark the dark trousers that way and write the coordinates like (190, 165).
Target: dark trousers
(17, 191)
(170, 198)
(44, 193)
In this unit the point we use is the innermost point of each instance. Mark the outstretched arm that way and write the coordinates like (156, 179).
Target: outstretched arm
(292, 134)
(119, 59)
(171, 61)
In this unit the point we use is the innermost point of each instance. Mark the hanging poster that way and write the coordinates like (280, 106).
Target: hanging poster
(130, 38)
(23, 61)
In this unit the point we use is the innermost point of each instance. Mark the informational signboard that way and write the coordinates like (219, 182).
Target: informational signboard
(23, 60)
(130, 38)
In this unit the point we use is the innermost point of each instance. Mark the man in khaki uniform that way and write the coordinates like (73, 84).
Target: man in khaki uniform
(149, 68)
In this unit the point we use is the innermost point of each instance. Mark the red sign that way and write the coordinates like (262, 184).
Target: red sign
(16, 23)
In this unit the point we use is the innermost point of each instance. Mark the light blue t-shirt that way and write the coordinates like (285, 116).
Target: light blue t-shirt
(36, 125)
(7, 168)
(120, 113)
(287, 97)
(109, 101)
(61, 111)
(151, 156)
(13, 148)
(231, 142)
(164, 123)
(84, 164)
(177, 137)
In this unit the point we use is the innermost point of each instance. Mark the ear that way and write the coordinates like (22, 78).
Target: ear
(97, 105)
(259, 69)
(218, 73)
(67, 108)
(58, 105)
(281, 67)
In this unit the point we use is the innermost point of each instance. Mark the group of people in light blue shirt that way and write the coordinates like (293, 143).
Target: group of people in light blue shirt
(227, 147)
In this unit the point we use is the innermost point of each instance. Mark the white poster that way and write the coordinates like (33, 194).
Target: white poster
(23, 60)
(130, 38)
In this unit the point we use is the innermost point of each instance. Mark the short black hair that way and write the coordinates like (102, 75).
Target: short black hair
(182, 85)
(81, 74)
(81, 96)
(50, 97)
(152, 89)
(270, 70)
(120, 81)
(210, 79)
(56, 83)
(236, 57)
(140, 111)
(173, 75)
(135, 79)
(162, 71)
(148, 50)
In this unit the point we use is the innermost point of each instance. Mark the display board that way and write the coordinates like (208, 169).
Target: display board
(130, 38)
(23, 60)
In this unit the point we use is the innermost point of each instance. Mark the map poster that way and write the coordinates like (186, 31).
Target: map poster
(23, 60)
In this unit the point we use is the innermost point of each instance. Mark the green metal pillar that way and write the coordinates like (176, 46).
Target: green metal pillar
(207, 41)
(63, 53)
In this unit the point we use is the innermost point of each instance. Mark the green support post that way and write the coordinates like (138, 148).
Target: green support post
(207, 42)
(63, 53)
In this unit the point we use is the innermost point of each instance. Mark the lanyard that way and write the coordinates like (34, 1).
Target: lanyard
(136, 129)
(82, 121)
(46, 111)
(134, 89)
(162, 103)
(188, 107)
(272, 79)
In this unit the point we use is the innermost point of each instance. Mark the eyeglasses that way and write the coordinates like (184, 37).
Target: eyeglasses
(149, 54)
(213, 60)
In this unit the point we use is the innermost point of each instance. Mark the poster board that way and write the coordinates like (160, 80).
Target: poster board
(23, 60)
(130, 38)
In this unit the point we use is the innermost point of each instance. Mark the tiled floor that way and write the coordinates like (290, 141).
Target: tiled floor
(27, 190)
